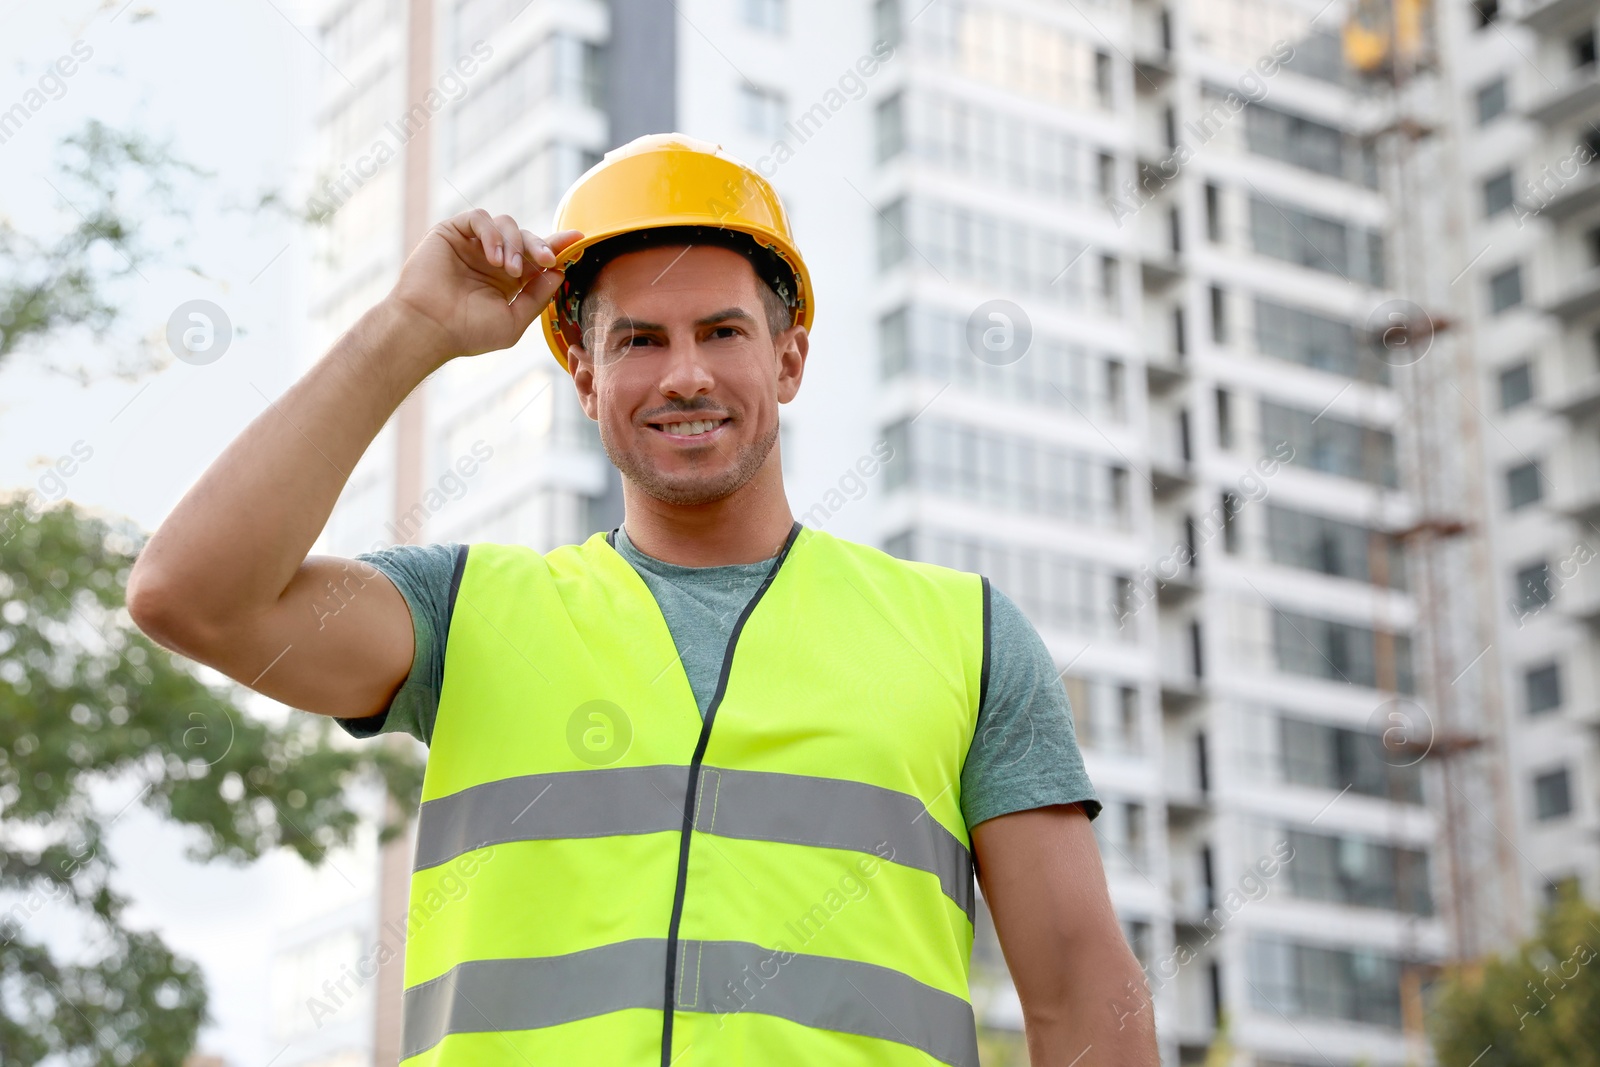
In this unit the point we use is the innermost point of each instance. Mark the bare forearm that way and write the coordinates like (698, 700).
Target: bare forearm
(237, 538)
(1099, 1015)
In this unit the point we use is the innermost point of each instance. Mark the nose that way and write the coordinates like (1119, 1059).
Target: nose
(684, 372)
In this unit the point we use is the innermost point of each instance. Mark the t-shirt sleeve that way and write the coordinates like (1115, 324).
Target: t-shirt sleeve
(424, 575)
(1024, 753)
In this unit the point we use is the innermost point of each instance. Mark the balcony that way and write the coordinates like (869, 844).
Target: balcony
(1578, 401)
(1164, 372)
(1555, 16)
(1582, 294)
(1576, 196)
(1577, 589)
(1578, 93)
(1582, 504)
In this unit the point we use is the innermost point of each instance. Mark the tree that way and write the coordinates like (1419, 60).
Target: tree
(86, 701)
(1536, 1006)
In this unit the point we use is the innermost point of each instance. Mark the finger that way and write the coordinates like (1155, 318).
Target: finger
(538, 249)
(534, 296)
(561, 240)
(511, 237)
(483, 228)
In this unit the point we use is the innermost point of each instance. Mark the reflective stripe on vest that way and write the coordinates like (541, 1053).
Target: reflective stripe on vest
(757, 805)
(817, 991)
(785, 880)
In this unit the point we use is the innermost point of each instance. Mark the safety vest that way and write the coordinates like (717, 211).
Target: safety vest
(603, 877)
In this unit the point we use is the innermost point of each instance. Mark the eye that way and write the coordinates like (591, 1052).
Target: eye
(640, 339)
(726, 331)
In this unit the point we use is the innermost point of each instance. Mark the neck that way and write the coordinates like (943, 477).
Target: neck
(747, 526)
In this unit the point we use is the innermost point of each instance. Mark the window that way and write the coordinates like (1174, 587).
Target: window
(1341, 652)
(1292, 139)
(1006, 472)
(1491, 101)
(976, 141)
(1342, 549)
(890, 127)
(1334, 758)
(1486, 10)
(1505, 290)
(892, 244)
(1360, 871)
(1213, 213)
(1105, 713)
(1298, 980)
(1317, 242)
(1582, 50)
(886, 21)
(764, 14)
(1055, 591)
(1219, 316)
(1106, 174)
(1542, 686)
(1531, 588)
(1552, 794)
(1591, 241)
(1516, 386)
(1332, 445)
(1108, 283)
(1315, 340)
(561, 67)
(1522, 486)
(933, 342)
(1498, 194)
(761, 111)
(1224, 422)
(969, 243)
(1102, 78)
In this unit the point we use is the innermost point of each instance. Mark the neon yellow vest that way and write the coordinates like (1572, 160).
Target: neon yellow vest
(604, 878)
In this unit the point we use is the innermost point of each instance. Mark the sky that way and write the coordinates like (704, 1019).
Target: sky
(229, 86)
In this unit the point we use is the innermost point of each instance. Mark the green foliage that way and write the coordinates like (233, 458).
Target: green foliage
(1535, 1007)
(49, 286)
(86, 700)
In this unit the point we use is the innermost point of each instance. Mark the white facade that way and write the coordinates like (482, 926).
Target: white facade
(1194, 281)
(1529, 97)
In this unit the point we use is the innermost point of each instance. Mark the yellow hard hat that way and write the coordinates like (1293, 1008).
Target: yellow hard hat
(662, 180)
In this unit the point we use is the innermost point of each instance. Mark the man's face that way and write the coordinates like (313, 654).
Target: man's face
(680, 339)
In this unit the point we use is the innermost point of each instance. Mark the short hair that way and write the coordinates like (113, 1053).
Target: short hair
(778, 292)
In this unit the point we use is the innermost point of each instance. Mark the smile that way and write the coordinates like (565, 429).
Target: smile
(698, 430)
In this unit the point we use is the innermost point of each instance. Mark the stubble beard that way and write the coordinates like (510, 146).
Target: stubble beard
(691, 488)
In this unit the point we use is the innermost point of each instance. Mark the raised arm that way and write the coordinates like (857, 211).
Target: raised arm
(1084, 1000)
(226, 579)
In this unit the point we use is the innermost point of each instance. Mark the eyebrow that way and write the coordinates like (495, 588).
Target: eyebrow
(623, 322)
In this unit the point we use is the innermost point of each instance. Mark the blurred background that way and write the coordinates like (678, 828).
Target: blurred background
(1251, 346)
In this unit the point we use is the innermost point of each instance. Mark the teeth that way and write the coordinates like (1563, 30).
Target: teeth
(689, 428)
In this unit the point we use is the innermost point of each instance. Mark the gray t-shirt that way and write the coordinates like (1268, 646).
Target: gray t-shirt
(1023, 753)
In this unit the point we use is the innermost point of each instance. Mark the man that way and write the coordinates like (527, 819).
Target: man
(711, 787)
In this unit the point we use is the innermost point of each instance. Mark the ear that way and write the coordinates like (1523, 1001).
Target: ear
(791, 347)
(581, 367)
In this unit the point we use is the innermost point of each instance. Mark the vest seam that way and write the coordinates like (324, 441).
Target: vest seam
(455, 584)
(691, 802)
